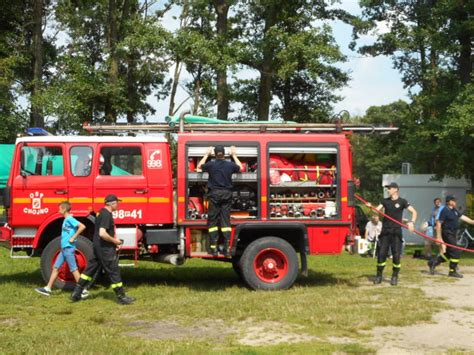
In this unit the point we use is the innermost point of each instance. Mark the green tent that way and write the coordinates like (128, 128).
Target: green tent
(6, 156)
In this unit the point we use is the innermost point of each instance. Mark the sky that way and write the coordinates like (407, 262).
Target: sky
(373, 81)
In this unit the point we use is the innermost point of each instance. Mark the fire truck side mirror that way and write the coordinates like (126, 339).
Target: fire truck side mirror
(350, 193)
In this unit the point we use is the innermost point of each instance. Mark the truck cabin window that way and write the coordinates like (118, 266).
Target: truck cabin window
(81, 161)
(41, 161)
(120, 161)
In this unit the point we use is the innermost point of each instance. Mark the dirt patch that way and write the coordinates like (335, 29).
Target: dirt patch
(248, 332)
(9, 322)
(451, 329)
(173, 330)
(271, 333)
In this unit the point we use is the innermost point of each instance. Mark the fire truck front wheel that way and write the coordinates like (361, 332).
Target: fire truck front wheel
(269, 263)
(65, 280)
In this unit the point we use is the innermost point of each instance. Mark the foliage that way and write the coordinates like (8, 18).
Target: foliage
(430, 44)
(295, 60)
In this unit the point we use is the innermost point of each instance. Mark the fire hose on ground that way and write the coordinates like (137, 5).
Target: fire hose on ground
(414, 231)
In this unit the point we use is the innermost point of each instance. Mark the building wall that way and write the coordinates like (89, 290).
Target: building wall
(420, 190)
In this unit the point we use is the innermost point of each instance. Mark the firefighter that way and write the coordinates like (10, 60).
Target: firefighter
(219, 194)
(105, 248)
(391, 235)
(447, 226)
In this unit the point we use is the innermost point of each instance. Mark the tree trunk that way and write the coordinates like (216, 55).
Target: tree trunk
(36, 115)
(183, 22)
(110, 112)
(174, 87)
(464, 37)
(222, 10)
(130, 8)
(197, 91)
(266, 70)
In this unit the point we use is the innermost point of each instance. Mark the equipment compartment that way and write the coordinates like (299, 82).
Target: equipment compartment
(303, 183)
(245, 192)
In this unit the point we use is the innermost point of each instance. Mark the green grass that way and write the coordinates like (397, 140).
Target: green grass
(335, 300)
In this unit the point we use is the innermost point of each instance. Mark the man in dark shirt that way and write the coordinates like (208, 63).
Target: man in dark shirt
(391, 235)
(220, 194)
(105, 247)
(447, 226)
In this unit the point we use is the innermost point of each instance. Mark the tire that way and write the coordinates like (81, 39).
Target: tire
(65, 280)
(269, 263)
(236, 266)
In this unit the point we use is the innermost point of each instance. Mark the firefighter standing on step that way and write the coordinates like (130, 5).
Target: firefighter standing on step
(391, 235)
(219, 194)
(105, 250)
(447, 226)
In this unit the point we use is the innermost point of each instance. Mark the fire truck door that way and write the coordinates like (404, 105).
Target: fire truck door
(81, 175)
(160, 184)
(39, 184)
(119, 170)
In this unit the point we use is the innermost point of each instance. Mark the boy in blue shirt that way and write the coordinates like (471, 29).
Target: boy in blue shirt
(70, 230)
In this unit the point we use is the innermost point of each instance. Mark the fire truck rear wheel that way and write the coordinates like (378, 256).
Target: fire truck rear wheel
(65, 280)
(269, 263)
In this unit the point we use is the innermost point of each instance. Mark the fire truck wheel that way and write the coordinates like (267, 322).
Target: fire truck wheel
(65, 280)
(269, 263)
(236, 266)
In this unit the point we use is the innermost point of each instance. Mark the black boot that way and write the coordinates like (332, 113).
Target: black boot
(226, 251)
(378, 277)
(76, 295)
(453, 272)
(432, 263)
(394, 279)
(122, 298)
(212, 246)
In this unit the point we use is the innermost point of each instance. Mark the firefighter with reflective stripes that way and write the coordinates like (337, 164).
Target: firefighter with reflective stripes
(219, 195)
(105, 254)
(447, 227)
(391, 235)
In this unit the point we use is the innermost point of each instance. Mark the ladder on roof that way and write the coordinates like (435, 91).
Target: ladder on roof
(182, 124)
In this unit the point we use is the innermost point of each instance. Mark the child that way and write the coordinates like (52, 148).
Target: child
(71, 229)
(372, 232)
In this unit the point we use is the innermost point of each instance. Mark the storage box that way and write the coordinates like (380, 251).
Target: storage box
(361, 245)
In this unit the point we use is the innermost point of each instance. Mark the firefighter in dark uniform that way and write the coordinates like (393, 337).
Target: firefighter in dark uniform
(447, 226)
(219, 194)
(105, 249)
(391, 235)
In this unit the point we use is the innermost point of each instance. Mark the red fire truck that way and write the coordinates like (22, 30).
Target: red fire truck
(294, 195)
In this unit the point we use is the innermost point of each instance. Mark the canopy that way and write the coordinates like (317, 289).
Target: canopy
(6, 156)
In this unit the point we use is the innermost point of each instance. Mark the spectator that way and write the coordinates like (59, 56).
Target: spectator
(70, 231)
(372, 232)
(434, 216)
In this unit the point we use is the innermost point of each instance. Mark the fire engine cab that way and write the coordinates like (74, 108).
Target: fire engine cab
(293, 198)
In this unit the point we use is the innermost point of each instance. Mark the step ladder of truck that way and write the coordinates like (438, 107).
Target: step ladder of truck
(266, 126)
(14, 250)
(22, 241)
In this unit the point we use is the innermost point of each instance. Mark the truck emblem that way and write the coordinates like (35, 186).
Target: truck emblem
(154, 159)
(36, 200)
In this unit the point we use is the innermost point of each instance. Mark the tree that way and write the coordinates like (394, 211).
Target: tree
(375, 155)
(280, 41)
(429, 42)
(115, 57)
